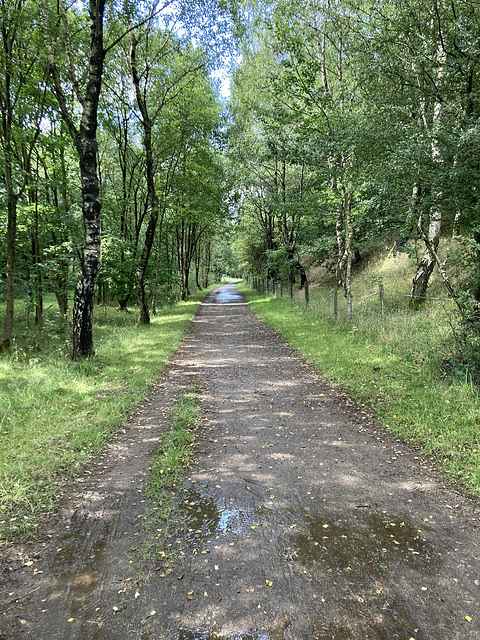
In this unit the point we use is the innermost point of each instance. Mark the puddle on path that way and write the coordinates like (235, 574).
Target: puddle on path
(195, 635)
(276, 631)
(229, 294)
(203, 517)
(365, 544)
(81, 581)
(362, 551)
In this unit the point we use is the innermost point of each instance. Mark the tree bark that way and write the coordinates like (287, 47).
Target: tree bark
(85, 139)
(427, 264)
(348, 194)
(12, 196)
(11, 236)
(206, 269)
(91, 206)
(151, 190)
(36, 258)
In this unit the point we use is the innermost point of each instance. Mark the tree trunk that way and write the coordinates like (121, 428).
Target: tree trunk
(85, 139)
(83, 300)
(12, 196)
(348, 194)
(157, 266)
(62, 301)
(208, 259)
(198, 256)
(36, 259)
(427, 264)
(151, 191)
(11, 236)
(144, 257)
(339, 277)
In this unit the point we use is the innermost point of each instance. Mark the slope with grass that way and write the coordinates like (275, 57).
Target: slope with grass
(398, 369)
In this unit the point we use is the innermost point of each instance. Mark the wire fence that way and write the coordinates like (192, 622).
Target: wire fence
(387, 303)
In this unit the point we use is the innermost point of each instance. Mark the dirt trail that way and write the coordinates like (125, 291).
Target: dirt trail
(302, 520)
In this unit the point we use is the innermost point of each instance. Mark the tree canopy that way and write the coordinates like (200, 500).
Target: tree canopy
(348, 124)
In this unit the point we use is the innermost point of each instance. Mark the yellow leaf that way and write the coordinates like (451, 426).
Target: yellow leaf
(268, 583)
(468, 618)
(70, 619)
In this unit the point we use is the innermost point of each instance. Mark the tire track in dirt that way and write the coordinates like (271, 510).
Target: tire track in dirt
(298, 519)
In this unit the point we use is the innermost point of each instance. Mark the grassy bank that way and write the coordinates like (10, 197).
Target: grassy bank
(396, 371)
(55, 413)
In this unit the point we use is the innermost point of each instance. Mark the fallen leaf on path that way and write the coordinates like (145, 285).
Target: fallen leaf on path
(468, 618)
(268, 583)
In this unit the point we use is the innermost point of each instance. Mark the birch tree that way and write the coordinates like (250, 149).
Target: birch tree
(86, 88)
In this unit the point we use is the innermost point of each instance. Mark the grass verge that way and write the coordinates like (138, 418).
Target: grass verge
(172, 456)
(55, 413)
(409, 396)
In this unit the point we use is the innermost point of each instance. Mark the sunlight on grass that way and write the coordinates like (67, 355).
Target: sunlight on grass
(57, 413)
(398, 371)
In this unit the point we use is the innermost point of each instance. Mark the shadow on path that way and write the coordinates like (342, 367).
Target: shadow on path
(298, 519)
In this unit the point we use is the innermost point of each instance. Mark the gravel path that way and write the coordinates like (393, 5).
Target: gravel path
(298, 519)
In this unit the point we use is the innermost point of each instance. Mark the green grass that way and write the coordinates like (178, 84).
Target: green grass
(172, 457)
(55, 413)
(397, 371)
(174, 452)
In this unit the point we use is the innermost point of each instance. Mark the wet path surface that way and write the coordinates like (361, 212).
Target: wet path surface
(298, 519)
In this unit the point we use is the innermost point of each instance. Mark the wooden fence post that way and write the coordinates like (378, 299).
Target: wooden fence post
(335, 299)
(382, 304)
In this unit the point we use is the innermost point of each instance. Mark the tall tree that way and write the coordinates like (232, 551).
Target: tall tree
(21, 108)
(63, 69)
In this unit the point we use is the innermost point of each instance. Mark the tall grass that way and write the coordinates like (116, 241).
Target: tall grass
(55, 413)
(398, 370)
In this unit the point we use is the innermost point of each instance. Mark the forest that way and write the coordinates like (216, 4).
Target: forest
(128, 179)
